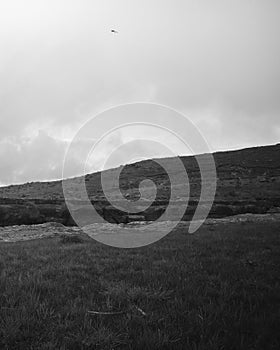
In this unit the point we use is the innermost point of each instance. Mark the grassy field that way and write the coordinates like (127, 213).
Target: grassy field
(217, 289)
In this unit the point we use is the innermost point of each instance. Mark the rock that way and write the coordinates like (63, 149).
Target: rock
(135, 218)
(26, 232)
(274, 210)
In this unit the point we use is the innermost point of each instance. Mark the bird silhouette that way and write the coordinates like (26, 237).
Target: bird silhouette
(114, 31)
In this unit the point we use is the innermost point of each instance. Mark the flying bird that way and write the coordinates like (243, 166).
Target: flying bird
(114, 31)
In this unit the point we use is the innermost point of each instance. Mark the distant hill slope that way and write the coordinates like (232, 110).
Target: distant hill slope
(247, 177)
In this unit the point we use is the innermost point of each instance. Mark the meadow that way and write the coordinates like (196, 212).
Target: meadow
(216, 289)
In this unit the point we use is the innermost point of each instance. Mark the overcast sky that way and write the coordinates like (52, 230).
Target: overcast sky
(217, 61)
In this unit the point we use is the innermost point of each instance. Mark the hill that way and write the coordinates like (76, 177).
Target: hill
(248, 181)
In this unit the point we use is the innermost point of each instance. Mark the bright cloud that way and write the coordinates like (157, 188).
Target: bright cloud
(216, 61)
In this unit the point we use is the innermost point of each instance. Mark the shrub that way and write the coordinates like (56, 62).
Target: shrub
(68, 239)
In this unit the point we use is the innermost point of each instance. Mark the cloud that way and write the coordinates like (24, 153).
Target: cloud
(216, 61)
(41, 157)
(24, 159)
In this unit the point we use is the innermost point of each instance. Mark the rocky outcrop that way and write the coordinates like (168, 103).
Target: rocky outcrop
(74, 235)
(27, 212)
(26, 232)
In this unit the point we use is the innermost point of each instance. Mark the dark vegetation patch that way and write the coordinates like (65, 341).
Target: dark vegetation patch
(71, 239)
(217, 289)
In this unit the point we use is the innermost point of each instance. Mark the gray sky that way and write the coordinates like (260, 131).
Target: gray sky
(217, 61)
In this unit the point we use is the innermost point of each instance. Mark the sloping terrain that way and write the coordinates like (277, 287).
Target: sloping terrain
(248, 182)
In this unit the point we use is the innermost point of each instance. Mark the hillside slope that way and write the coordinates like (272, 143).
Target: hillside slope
(248, 181)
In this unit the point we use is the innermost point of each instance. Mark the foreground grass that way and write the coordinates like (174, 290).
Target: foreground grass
(217, 289)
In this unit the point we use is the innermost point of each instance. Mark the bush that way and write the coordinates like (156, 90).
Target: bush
(68, 239)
